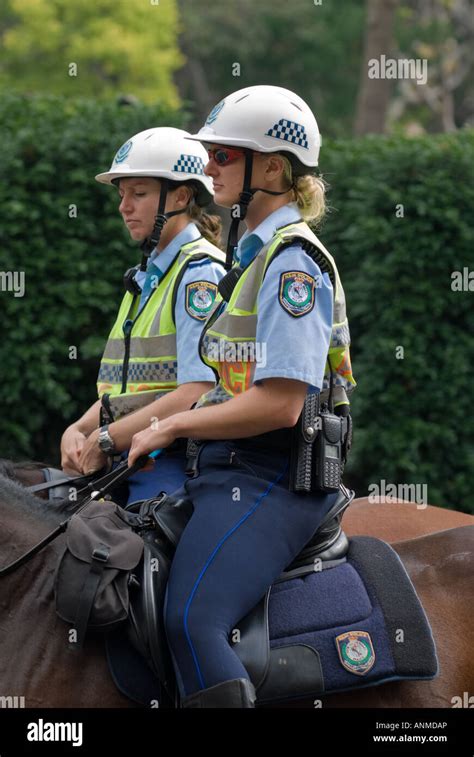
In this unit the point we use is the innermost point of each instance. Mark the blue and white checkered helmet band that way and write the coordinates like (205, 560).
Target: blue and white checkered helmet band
(189, 164)
(289, 131)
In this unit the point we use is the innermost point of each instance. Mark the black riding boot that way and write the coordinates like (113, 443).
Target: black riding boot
(239, 692)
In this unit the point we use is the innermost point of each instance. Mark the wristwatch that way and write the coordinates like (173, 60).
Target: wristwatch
(106, 443)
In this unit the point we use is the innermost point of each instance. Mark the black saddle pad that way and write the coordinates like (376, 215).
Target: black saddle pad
(362, 619)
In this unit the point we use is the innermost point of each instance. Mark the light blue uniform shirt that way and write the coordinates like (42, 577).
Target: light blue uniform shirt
(188, 327)
(289, 346)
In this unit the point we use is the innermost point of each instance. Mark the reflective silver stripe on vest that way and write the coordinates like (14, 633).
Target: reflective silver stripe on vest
(142, 347)
(247, 295)
(239, 326)
(156, 373)
(340, 335)
(123, 404)
(214, 396)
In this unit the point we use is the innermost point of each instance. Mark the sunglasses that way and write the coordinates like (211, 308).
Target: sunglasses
(224, 155)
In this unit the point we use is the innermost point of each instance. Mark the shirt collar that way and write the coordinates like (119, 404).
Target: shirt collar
(251, 243)
(163, 259)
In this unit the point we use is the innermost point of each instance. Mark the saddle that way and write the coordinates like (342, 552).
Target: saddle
(326, 549)
(145, 627)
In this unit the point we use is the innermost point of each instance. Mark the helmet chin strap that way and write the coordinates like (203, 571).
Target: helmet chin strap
(149, 244)
(245, 197)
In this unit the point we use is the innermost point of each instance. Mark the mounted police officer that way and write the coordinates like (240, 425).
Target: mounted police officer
(277, 338)
(150, 367)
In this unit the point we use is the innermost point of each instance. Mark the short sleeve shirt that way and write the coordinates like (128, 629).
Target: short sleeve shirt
(295, 307)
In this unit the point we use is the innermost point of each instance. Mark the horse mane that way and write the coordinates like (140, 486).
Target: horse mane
(19, 497)
(8, 468)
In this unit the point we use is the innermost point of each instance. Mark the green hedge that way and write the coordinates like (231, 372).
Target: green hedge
(52, 149)
(412, 416)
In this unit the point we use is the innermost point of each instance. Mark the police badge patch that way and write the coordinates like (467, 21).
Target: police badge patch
(200, 296)
(296, 294)
(214, 113)
(356, 652)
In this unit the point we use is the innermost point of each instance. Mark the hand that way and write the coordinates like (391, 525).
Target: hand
(148, 440)
(72, 443)
(92, 458)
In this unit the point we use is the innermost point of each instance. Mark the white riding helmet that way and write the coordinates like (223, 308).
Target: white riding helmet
(266, 119)
(162, 152)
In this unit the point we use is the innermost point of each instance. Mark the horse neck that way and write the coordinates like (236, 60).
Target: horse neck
(21, 530)
(35, 661)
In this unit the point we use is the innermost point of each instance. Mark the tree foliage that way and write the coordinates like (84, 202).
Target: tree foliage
(91, 47)
(312, 49)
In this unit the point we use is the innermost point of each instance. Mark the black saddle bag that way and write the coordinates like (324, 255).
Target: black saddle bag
(93, 578)
(114, 571)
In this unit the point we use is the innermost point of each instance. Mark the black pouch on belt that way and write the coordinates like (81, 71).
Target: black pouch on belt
(302, 446)
(193, 448)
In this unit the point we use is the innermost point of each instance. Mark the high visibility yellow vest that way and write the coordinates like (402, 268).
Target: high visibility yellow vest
(140, 357)
(227, 343)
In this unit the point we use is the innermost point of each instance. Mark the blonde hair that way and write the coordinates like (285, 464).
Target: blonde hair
(209, 226)
(308, 191)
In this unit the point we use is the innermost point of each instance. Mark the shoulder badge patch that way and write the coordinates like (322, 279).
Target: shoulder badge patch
(296, 294)
(356, 652)
(200, 296)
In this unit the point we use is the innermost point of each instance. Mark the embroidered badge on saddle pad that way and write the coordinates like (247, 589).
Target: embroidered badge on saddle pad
(356, 652)
(296, 294)
(200, 296)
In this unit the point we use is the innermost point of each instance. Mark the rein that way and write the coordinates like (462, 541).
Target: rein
(104, 484)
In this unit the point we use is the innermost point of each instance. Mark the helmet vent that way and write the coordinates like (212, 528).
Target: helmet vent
(241, 98)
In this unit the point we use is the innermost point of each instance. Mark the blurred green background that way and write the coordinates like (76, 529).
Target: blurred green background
(77, 79)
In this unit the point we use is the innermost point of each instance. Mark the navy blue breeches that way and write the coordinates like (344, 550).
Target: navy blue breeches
(245, 530)
(167, 476)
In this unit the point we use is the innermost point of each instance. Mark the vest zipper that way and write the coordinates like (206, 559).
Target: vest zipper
(127, 333)
(129, 323)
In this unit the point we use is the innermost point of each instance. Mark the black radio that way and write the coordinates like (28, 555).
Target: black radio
(329, 452)
(321, 441)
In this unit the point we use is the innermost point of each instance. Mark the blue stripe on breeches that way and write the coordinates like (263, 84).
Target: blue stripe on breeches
(245, 530)
(167, 476)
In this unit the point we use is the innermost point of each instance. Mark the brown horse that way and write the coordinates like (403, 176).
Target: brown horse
(374, 516)
(35, 662)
